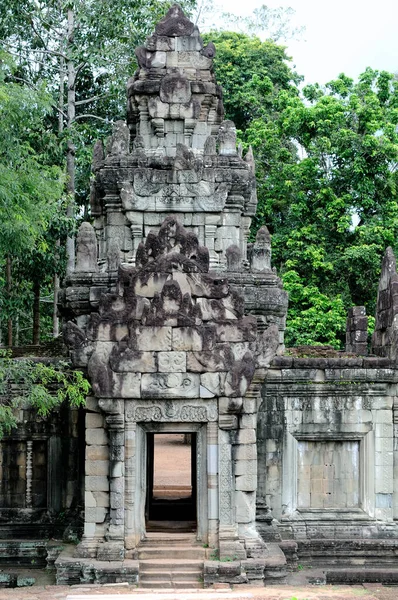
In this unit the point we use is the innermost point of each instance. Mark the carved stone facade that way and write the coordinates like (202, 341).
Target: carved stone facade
(179, 323)
(165, 337)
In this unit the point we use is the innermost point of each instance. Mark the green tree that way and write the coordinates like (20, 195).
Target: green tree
(327, 166)
(30, 185)
(252, 73)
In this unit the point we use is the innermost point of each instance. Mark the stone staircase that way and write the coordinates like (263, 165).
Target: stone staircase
(171, 560)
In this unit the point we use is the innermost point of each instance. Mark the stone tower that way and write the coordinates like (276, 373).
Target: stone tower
(156, 307)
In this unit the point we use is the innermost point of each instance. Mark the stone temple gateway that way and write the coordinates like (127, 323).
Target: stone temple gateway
(179, 323)
(156, 310)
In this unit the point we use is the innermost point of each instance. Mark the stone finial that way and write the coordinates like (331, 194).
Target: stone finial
(98, 156)
(210, 146)
(175, 23)
(113, 256)
(86, 249)
(95, 201)
(234, 258)
(261, 251)
(209, 51)
(227, 138)
(249, 159)
(118, 143)
(143, 57)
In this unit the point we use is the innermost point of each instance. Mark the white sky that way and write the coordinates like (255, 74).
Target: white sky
(340, 36)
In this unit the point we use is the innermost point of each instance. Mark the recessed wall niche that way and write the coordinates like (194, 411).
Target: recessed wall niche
(328, 474)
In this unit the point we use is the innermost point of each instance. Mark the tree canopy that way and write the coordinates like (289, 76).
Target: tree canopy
(326, 164)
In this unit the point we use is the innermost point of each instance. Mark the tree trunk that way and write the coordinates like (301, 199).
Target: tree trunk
(55, 307)
(36, 313)
(70, 157)
(8, 288)
(61, 100)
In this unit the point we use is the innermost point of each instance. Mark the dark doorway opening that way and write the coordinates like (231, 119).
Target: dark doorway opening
(171, 481)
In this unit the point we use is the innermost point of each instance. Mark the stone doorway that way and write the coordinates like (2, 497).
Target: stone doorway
(171, 481)
(196, 473)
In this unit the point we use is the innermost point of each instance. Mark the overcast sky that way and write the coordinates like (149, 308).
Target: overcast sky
(340, 36)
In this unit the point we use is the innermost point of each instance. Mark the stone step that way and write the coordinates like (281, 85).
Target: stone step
(351, 576)
(172, 552)
(167, 539)
(164, 584)
(171, 575)
(355, 552)
(170, 565)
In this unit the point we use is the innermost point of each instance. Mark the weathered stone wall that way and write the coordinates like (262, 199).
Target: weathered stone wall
(40, 475)
(326, 459)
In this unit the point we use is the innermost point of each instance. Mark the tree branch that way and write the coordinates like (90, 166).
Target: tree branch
(33, 87)
(87, 100)
(88, 115)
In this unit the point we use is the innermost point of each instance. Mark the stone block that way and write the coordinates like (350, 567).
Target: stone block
(229, 405)
(249, 406)
(170, 385)
(126, 385)
(97, 467)
(101, 498)
(246, 482)
(246, 452)
(94, 420)
(92, 404)
(158, 339)
(96, 437)
(246, 436)
(228, 422)
(242, 467)
(89, 500)
(172, 362)
(248, 421)
(151, 285)
(117, 500)
(245, 506)
(186, 338)
(89, 529)
(211, 382)
(95, 515)
(116, 469)
(158, 60)
(205, 392)
(116, 484)
(96, 483)
(133, 361)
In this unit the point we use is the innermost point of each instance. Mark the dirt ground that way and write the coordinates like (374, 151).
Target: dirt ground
(172, 462)
(368, 592)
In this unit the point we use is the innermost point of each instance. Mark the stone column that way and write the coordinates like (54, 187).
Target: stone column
(132, 537)
(29, 473)
(229, 545)
(114, 548)
(212, 483)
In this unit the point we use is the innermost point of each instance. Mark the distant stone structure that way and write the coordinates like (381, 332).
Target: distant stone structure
(179, 323)
(385, 336)
(357, 331)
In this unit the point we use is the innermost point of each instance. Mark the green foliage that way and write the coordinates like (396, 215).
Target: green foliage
(314, 318)
(30, 187)
(326, 167)
(42, 387)
(251, 73)
(335, 211)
